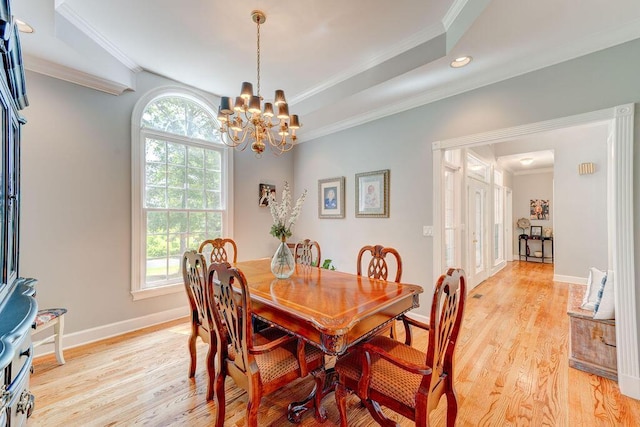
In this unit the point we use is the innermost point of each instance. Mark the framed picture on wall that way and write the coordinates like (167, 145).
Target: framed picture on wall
(264, 192)
(372, 194)
(331, 197)
(539, 209)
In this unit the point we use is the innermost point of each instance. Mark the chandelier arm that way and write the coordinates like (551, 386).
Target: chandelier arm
(233, 141)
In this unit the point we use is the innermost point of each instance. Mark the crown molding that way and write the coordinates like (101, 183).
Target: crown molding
(57, 71)
(452, 14)
(416, 39)
(68, 13)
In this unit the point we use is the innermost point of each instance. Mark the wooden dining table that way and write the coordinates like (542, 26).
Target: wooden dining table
(329, 309)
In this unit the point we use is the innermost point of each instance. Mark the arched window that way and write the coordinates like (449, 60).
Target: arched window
(181, 186)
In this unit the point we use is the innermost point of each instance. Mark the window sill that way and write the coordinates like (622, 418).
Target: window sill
(139, 294)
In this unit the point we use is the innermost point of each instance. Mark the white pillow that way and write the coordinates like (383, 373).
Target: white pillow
(594, 282)
(605, 306)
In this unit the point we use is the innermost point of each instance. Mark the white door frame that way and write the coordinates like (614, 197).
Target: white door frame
(620, 199)
(508, 224)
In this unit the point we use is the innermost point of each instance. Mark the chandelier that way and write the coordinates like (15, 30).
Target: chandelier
(246, 123)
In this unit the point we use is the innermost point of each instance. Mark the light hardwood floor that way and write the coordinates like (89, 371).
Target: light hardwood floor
(512, 369)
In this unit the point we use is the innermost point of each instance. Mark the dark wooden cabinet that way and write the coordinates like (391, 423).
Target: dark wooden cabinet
(18, 306)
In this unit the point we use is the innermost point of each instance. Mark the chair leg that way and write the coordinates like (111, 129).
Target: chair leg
(192, 353)
(341, 400)
(58, 329)
(253, 405)
(211, 369)
(220, 398)
(376, 412)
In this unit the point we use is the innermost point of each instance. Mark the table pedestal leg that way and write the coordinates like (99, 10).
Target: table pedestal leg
(326, 381)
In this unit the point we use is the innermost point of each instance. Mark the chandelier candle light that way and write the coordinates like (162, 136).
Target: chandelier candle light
(282, 263)
(246, 120)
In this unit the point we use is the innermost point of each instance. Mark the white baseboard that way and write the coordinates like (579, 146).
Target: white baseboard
(419, 317)
(570, 279)
(88, 336)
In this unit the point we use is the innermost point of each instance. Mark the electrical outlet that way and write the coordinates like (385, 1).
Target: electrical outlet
(427, 230)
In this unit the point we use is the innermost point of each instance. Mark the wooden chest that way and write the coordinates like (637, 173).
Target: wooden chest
(592, 343)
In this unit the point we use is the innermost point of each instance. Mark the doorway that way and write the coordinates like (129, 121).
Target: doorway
(620, 218)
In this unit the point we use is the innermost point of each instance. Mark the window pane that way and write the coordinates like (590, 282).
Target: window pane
(195, 178)
(174, 268)
(213, 200)
(214, 224)
(197, 222)
(195, 199)
(178, 222)
(155, 151)
(213, 160)
(181, 116)
(213, 180)
(155, 197)
(176, 198)
(156, 270)
(177, 244)
(176, 154)
(196, 238)
(176, 176)
(156, 174)
(156, 223)
(196, 157)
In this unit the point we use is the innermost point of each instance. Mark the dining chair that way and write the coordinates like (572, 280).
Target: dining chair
(378, 267)
(259, 366)
(304, 253)
(215, 250)
(408, 381)
(200, 302)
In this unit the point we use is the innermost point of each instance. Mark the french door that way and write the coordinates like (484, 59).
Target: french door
(477, 241)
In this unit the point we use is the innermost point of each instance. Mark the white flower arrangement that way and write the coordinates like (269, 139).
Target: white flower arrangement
(283, 216)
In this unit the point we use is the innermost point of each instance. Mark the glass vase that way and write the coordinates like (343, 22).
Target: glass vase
(282, 264)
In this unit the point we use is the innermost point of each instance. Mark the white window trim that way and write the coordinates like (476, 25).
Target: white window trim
(137, 154)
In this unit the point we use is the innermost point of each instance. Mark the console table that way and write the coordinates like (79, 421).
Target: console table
(528, 246)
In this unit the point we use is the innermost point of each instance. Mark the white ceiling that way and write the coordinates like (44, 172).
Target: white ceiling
(341, 63)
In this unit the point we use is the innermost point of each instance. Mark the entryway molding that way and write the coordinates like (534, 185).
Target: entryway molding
(619, 218)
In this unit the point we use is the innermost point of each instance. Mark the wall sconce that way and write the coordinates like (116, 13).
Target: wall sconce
(586, 168)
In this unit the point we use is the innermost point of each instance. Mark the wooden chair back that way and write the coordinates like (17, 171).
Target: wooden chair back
(304, 253)
(411, 382)
(447, 309)
(217, 250)
(378, 268)
(200, 302)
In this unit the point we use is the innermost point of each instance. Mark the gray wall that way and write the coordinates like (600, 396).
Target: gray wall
(76, 201)
(402, 143)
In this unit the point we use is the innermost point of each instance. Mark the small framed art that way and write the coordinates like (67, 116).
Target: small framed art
(372, 194)
(264, 191)
(331, 197)
(536, 231)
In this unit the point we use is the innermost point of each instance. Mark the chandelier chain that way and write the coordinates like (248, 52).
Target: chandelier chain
(258, 54)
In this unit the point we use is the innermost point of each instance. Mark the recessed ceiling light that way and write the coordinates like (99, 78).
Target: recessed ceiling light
(461, 61)
(526, 161)
(23, 27)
